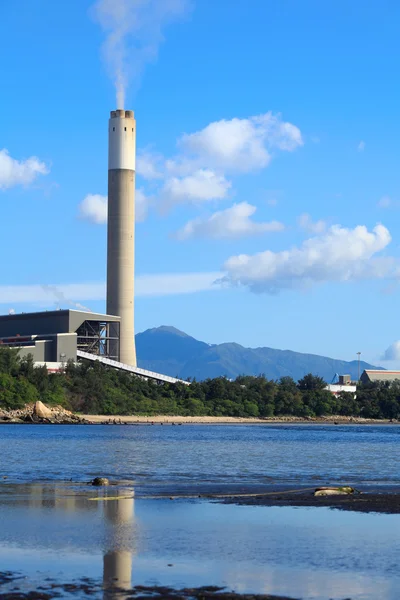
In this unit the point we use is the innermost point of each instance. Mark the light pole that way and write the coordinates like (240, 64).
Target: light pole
(359, 354)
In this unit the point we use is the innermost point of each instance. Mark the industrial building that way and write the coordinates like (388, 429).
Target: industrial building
(55, 337)
(370, 375)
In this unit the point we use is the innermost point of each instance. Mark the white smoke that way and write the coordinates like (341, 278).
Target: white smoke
(134, 34)
(61, 297)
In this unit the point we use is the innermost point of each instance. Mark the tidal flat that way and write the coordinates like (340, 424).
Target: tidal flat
(61, 538)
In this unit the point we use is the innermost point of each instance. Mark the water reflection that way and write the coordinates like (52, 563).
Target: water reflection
(66, 532)
(114, 512)
(117, 561)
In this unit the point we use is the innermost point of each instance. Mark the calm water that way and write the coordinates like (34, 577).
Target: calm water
(316, 554)
(251, 454)
(50, 527)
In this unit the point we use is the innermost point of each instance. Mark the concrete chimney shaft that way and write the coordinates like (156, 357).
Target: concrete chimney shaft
(121, 228)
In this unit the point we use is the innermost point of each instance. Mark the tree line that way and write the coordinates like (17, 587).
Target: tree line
(93, 388)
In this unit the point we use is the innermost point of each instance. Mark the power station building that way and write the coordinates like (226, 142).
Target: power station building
(55, 337)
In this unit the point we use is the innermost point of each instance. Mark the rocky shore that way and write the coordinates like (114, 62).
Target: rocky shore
(39, 413)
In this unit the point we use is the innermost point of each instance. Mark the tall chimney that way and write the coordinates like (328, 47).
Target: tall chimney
(121, 228)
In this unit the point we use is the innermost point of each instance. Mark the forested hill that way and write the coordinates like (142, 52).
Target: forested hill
(172, 352)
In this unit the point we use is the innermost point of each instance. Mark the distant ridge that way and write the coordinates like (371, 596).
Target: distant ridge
(170, 351)
(167, 329)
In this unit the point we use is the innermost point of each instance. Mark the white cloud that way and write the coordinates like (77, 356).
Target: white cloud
(14, 172)
(159, 284)
(149, 165)
(305, 222)
(198, 172)
(234, 222)
(361, 146)
(202, 185)
(338, 255)
(169, 284)
(141, 205)
(93, 207)
(393, 352)
(42, 294)
(241, 145)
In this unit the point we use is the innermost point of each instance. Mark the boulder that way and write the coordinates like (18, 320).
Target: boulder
(41, 411)
(100, 481)
(335, 491)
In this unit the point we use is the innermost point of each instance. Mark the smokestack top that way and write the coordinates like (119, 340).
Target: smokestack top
(121, 114)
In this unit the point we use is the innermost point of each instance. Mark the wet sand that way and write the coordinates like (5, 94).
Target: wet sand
(376, 499)
(384, 502)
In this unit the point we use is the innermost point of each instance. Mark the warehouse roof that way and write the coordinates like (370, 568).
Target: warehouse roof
(379, 375)
(48, 322)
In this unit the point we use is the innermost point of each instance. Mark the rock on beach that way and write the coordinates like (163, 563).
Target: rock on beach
(40, 413)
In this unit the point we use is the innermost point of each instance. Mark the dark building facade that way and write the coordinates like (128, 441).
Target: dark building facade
(56, 336)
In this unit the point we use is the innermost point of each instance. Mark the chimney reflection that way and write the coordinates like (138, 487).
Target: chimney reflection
(117, 562)
(118, 519)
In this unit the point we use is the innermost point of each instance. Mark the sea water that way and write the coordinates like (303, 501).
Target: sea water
(218, 454)
(53, 528)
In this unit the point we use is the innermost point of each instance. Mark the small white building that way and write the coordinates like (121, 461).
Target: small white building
(337, 388)
(344, 384)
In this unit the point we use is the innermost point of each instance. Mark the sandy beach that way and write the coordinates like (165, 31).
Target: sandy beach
(170, 419)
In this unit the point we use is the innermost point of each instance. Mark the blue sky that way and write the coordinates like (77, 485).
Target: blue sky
(267, 135)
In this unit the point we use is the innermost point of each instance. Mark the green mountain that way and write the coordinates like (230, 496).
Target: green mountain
(166, 350)
(172, 352)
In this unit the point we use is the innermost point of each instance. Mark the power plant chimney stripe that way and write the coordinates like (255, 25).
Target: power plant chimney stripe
(122, 140)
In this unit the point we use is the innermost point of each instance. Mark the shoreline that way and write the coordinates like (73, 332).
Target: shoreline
(181, 420)
(40, 414)
(11, 588)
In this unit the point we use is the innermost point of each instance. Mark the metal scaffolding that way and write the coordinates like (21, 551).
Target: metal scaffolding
(100, 338)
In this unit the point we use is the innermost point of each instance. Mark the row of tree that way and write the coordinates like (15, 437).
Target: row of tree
(92, 388)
